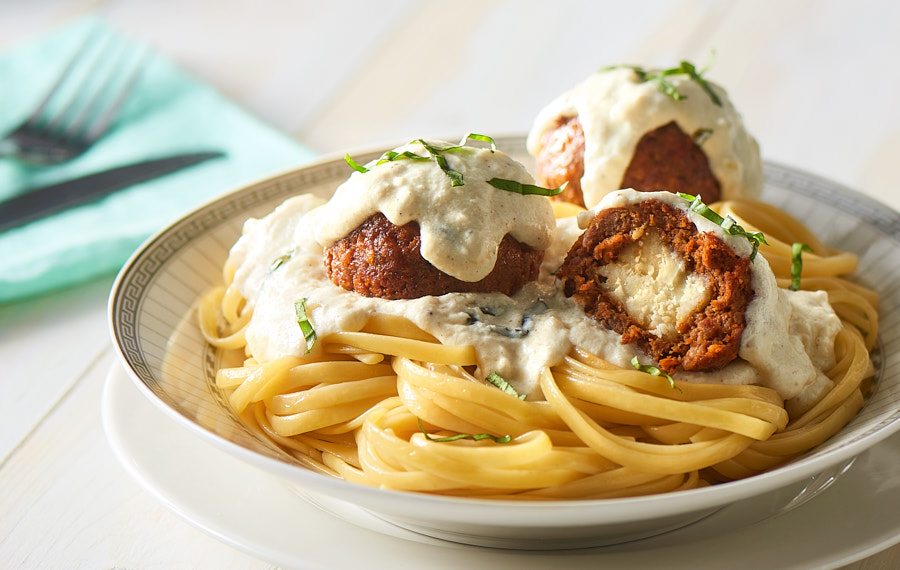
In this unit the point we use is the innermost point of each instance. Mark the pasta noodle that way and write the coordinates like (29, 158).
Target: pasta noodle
(390, 406)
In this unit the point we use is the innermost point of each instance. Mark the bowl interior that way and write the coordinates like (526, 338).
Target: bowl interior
(152, 326)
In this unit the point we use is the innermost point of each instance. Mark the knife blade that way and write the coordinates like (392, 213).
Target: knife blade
(41, 202)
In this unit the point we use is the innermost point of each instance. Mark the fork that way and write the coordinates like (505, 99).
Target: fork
(80, 107)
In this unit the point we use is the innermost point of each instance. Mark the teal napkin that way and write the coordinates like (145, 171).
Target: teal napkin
(168, 112)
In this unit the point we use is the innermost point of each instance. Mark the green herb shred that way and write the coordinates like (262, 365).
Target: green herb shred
(355, 165)
(688, 69)
(456, 177)
(661, 78)
(309, 333)
(498, 381)
(477, 137)
(394, 155)
(700, 135)
(520, 188)
(279, 261)
(653, 371)
(797, 263)
(728, 224)
(475, 437)
(436, 153)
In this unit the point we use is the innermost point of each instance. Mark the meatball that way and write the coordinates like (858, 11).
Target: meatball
(381, 259)
(646, 272)
(647, 129)
(665, 159)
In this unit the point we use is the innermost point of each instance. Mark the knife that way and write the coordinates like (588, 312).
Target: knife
(41, 202)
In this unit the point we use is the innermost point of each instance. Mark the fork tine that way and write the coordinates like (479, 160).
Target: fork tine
(67, 72)
(69, 113)
(83, 102)
(102, 122)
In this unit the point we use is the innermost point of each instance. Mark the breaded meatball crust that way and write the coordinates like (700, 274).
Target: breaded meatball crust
(710, 337)
(381, 259)
(561, 160)
(665, 158)
(668, 159)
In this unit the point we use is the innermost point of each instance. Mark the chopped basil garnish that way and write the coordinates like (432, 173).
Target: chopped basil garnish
(661, 79)
(499, 382)
(394, 155)
(477, 137)
(520, 188)
(355, 165)
(700, 136)
(456, 178)
(653, 371)
(476, 437)
(309, 333)
(436, 152)
(728, 224)
(281, 260)
(797, 263)
(688, 69)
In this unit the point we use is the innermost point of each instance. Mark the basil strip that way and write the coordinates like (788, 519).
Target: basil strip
(477, 137)
(688, 69)
(279, 261)
(520, 188)
(728, 224)
(394, 155)
(700, 136)
(456, 177)
(499, 382)
(436, 152)
(309, 333)
(653, 371)
(355, 165)
(476, 437)
(660, 78)
(797, 263)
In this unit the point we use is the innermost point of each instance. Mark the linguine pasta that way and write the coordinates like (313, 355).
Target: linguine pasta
(390, 406)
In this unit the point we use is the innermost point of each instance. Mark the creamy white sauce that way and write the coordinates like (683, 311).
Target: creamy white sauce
(519, 336)
(787, 342)
(615, 110)
(461, 226)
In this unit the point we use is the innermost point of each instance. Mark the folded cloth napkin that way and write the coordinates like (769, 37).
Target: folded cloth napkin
(168, 112)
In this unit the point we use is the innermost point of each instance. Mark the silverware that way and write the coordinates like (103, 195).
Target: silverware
(82, 104)
(35, 204)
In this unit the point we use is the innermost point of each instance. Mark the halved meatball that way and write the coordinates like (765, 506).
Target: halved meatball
(381, 259)
(646, 272)
(666, 158)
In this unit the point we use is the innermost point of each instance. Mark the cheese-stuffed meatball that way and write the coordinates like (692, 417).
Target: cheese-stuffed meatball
(627, 128)
(644, 270)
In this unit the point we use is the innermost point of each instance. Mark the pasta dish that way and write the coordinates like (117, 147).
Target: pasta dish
(445, 324)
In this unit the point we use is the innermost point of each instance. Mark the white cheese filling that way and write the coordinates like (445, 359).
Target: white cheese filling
(653, 285)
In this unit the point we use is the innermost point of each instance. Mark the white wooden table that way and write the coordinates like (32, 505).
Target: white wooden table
(817, 82)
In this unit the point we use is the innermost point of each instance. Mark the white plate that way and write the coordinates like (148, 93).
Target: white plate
(255, 512)
(164, 354)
